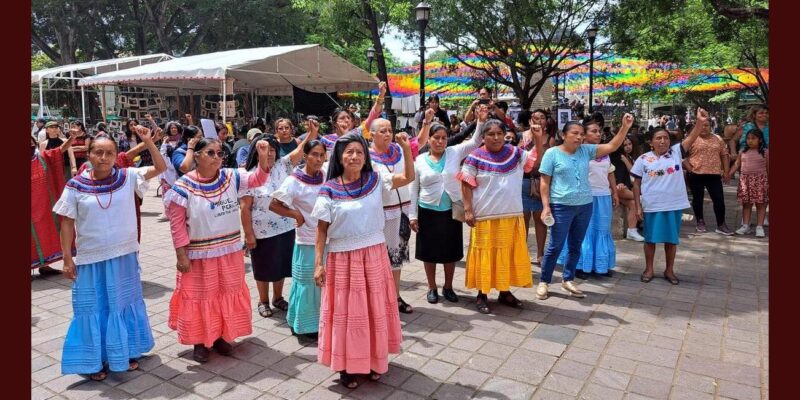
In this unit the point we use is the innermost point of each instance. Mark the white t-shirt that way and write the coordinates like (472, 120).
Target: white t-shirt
(266, 223)
(663, 186)
(104, 213)
(497, 181)
(598, 176)
(299, 191)
(355, 212)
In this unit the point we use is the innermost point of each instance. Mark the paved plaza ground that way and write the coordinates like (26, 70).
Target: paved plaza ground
(706, 338)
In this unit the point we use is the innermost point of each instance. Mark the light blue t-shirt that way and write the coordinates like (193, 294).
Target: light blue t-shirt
(445, 203)
(570, 174)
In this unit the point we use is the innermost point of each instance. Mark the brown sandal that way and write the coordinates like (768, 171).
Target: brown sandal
(133, 365)
(99, 376)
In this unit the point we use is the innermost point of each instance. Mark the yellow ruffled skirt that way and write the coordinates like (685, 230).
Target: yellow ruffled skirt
(498, 255)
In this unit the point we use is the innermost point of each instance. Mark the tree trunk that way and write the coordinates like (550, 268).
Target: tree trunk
(139, 35)
(383, 76)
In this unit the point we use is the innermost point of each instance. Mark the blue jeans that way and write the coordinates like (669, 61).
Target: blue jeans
(571, 221)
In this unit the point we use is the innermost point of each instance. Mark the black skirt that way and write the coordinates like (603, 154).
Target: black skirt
(272, 257)
(440, 237)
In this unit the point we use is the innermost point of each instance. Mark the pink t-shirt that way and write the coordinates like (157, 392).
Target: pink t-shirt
(754, 163)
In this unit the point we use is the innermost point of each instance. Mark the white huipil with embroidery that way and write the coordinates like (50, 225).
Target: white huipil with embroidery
(355, 212)
(299, 191)
(104, 214)
(212, 211)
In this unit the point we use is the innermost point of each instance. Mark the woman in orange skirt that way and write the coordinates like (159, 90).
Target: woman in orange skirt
(210, 306)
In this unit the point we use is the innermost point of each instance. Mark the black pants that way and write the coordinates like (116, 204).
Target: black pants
(698, 183)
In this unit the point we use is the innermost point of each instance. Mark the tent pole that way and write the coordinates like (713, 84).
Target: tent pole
(83, 106)
(41, 99)
(103, 102)
(224, 98)
(178, 102)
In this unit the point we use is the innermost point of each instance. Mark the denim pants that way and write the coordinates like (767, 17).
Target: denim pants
(571, 221)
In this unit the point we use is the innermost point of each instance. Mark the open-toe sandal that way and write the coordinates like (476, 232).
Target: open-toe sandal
(644, 278)
(404, 307)
(374, 376)
(348, 380)
(264, 310)
(133, 365)
(508, 299)
(99, 376)
(280, 304)
(672, 280)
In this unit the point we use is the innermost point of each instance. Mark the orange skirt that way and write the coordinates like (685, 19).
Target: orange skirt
(211, 301)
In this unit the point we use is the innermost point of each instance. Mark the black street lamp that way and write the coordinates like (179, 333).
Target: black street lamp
(592, 34)
(423, 14)
(370, 56)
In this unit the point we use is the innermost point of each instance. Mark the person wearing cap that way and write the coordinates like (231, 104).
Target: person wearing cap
(244, 151)
(55, 138)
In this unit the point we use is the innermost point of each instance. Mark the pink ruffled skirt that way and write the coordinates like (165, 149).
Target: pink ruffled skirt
(211, 301)
(359, 321)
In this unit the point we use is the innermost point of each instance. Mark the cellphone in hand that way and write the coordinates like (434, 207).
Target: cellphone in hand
(483, 101)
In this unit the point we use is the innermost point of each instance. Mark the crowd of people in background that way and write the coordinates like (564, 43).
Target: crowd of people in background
(301, 195)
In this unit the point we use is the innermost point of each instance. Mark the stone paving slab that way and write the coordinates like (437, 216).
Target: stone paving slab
(704, 339)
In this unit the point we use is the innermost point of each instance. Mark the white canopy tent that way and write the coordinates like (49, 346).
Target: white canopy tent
(260, 71)
(90, 68)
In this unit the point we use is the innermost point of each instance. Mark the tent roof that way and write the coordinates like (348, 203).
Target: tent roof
(266, 70)
(97, 67)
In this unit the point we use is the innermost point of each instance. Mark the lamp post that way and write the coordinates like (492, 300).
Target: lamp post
(370, 56)
(423, 14)
(592, 34)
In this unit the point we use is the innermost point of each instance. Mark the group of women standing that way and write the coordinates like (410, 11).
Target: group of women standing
(335, 213)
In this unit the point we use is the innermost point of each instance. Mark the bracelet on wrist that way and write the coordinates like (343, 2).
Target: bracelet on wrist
(192, 149)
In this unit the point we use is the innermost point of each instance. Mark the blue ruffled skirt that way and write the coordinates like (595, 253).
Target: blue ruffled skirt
(598, 252)
(109, 323)
(304, 297)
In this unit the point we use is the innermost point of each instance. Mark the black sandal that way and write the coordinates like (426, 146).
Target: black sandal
(482, 303)
(644, 278)
(374, 376)
(404, 307)
(674, 280)
(280, 303)
(133, 365)
(348, 380)
(508, 299)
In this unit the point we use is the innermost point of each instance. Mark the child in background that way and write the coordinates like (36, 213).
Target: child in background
(753, 182)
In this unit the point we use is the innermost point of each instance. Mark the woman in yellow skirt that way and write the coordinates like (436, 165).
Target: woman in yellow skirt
(491, 184)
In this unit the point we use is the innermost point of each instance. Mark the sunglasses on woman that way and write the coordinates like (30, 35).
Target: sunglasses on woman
(212, 153)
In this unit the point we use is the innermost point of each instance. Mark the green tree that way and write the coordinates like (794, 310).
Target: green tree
(520, 43)
(349, 27)
(693, 32)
